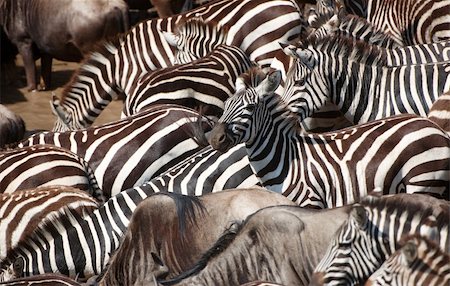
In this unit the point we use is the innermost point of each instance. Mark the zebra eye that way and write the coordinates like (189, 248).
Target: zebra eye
(300, 81)
(250, 107)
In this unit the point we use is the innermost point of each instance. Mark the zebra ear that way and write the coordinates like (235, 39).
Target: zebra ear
(289, 49)
(269, 84)
(359, 214)
(171, 38)
(306, 57)
(409, 252)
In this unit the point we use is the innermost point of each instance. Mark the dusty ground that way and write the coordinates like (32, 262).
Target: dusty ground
(34, 107)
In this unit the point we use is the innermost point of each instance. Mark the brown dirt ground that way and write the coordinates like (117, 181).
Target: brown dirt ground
(34, 107)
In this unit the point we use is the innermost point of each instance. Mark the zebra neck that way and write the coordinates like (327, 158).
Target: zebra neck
(353, 92)
(273, 146)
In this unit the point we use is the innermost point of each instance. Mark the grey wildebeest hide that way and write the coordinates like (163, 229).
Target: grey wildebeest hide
(169, 232)
(60, 29)
(12, 127)
(282, 244)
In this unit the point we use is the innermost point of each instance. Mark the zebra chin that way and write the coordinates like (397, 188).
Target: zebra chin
(220, 138)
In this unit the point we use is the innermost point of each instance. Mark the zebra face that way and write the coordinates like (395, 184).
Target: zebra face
(240, 121)
(307, 88)
(417, 261)
(350, 259)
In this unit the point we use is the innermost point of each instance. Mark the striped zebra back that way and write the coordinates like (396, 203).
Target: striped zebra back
(401, 18)
(203, 84)
(116, 67)
(419, 261)
(440, 112)
(364, 85)
(44, 165)
(131, 151)
(373, 232)
(396, 55)
(335, 168)
(23, 211)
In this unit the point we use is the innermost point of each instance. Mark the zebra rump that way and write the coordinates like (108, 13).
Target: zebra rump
(45, 165)
(23, 211)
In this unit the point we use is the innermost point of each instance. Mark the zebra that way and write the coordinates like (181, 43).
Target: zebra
(373, 232)
(22, 211)
(203, 84)
(358, 28)
(128, 152)
(52, 279)
(409, 22)
(440, 112)
(336, 168)
(95, 237)
(12, 127)
(418, 261)
(45, 165)
(360, 83)
(117, 65)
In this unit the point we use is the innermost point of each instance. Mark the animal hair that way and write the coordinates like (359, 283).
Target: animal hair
(201, 24)
(219, 246)
(349, 48)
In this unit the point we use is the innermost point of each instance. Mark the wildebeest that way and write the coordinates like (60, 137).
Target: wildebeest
(12, 127)
(282, 244)
(60, 29)
(168, 232)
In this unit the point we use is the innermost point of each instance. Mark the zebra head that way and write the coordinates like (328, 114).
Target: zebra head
(195, 38)
(244, 114)
(12, 270)
(372, 233)
(419, 261)
(307, 87)
(64, 120)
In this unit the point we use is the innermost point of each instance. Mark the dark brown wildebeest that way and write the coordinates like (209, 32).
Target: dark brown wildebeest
(177, 230)
(282, 244)
(60, 29)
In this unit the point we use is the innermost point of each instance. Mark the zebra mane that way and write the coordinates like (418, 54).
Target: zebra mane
(199, 24)
(348, 48)
(349, 25)
(219, 246)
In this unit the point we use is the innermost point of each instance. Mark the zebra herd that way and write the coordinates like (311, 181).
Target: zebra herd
(231, 95)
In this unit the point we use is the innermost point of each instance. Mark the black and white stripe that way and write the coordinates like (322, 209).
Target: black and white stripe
(418, 261)
(373, 232)
(46, 165)
(118, 65)
(22, 211)
(336, 168)
(203, 84)
(128, 152)
(356, 77)
(410, 22)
